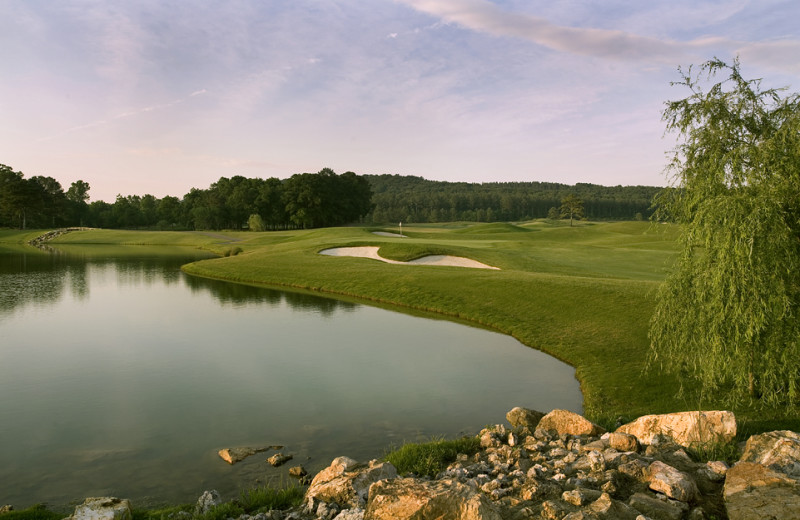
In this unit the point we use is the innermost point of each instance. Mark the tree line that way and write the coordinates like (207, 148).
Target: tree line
(414, 199)
(305, 200)
(309, 200)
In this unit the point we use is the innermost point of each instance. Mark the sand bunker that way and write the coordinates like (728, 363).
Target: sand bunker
(372, 252)
(387, 234)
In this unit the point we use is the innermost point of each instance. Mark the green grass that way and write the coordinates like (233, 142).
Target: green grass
(430, 458)
(37, 512)
(583, 294)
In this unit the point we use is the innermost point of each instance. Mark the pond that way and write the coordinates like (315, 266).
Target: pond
(122, 376)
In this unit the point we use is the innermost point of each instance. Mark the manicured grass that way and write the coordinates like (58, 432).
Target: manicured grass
(583, 294)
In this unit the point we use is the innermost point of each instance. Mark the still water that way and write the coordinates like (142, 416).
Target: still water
(122, 376)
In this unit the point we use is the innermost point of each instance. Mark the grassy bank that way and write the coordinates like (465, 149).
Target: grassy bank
(583, 294)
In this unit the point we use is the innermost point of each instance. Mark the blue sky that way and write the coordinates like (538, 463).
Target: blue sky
(159, 96)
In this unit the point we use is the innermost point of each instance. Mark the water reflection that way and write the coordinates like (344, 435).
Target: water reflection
(133, 375)
(238, 294)
(33, 276)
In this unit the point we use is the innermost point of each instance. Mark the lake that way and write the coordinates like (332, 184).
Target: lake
(122, 376)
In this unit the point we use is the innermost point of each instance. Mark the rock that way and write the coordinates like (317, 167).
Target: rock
(298, 472)
(524, 418)
(580, 496)
(556, 509)
(622, 441)
(103, 508)
(656, 509)
(685, 428)
(566, 422)
(410, 498)
(206, 501)
(607, 508)
(754, 491)
(6, 508)
(346, 482)
(350, 514)
(671, 482)
(234, 455)
(581, 515)
(279, 459)
(778, 450)
(714, 470)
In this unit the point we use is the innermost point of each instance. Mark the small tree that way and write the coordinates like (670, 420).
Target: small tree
(256, 223)
(728, 317)
(553, 213)
(572, 207)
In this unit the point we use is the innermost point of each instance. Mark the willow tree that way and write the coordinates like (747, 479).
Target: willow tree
(728, 318)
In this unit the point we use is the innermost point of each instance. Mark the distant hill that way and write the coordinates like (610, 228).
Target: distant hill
(404, 198)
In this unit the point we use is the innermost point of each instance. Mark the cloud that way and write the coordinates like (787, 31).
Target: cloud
(484, 16)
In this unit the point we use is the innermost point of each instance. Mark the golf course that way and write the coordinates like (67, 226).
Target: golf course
(583, 294)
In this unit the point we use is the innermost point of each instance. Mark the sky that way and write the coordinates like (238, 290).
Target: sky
(161, 96)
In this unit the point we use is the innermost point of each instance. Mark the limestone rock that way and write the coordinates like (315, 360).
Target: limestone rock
(566, 422)
(524, 418)
(671, 482)
(206, 501)
(350, 514)
(656, 509)
(754, 491)
(234, 455)
(607, 508)
(622, 441)
(298, 472)
(346, 482)
(685, 428)
(6, 508)
(279, 459)
(779, 450)
(103, 508)
(410, 498)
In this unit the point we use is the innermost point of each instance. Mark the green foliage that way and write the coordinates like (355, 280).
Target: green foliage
(553, 213)
(256, 223)
(37, 512)
(430, 458)
(265, 498)
(725, 451)
(728, 317)
(571, 207)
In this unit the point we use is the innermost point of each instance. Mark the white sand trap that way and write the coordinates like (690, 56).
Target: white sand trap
(372, 252)
(387, 234)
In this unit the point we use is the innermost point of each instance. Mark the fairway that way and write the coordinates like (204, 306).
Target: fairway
(583, 294)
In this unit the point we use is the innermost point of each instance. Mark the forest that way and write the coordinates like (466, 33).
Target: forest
(308, 200)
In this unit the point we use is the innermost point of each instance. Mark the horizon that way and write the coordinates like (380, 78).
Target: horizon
(144, 98)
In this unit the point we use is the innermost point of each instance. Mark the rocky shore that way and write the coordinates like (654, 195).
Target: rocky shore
(558, 466)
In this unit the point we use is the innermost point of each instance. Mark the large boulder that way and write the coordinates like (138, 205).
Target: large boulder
(346, 483)
(524, 418)
(765, 483)
(103, 508)
(779, 450)
(410, 498)
(570, 423)
(685, 428)
(756, 492)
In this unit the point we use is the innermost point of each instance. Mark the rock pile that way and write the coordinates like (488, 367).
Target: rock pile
(559, 466)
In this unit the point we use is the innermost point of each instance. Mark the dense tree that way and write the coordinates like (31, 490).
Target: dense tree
(572, 207)
(728, 317)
